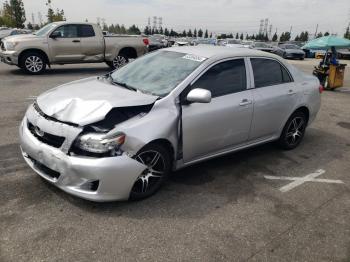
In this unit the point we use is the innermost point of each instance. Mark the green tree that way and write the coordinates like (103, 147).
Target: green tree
(206, 35)
(146, 31)
(189, 33)
(30, 26)
(319, 35)
(237, 36)
(275, 37)
(347, 33)
(13, 14)
(161, 31)
(166, 32)
(241, 36)
(211, 35)
(326, 34)
(200, 33)
(53, 16)
(285, 36)
(133, 30)
(195, 32)
(122, 30)
(183, 33)
(117, 29)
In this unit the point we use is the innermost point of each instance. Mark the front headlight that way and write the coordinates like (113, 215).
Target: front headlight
(99, 143)
(10, 46)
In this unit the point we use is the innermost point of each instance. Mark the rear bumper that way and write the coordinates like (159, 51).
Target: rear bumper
(114, 176)
(9, 57)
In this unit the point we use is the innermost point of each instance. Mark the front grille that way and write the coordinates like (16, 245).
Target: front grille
(46, 170)
(2, 46)
(52, 140)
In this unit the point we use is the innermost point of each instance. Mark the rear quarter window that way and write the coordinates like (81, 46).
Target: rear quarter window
(86, 31)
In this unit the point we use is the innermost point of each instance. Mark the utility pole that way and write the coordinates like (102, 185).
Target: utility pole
(261, 26)
(316, 31)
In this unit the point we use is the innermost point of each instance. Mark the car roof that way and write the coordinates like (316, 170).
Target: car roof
(72, 23)
(219, 51)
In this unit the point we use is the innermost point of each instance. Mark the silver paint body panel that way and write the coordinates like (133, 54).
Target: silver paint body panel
(208, 130)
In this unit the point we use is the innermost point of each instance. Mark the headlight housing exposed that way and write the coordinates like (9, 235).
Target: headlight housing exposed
(99, 143)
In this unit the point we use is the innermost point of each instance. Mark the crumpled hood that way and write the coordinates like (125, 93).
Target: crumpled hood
(87, 101)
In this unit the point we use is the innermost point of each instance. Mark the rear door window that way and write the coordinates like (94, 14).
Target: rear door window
(86, 31)
(268, 72)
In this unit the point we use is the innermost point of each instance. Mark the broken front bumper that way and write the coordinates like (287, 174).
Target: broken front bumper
(95, 179)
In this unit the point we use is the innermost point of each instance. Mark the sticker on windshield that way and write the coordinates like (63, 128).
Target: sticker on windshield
(194, 58)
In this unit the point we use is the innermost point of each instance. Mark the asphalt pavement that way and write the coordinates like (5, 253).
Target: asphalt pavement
(232, 208)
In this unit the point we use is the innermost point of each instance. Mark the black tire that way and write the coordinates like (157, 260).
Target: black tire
(293, 131)
(119, 61)
(33, 63)
(153, 177)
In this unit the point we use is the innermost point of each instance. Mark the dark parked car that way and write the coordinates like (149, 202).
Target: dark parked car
(289, 51)
(262, 47)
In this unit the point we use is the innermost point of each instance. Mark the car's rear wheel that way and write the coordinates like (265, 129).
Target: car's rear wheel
(119, 61)
(294, 130)
(158, 161)
(33, 63)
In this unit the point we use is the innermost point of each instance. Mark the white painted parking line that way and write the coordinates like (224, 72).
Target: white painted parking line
(297, 181)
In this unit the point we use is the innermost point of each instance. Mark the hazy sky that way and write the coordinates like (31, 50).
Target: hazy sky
(216, 15)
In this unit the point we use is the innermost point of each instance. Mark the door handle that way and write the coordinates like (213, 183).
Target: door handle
(245, 102)
(291, 92)
(76, 41)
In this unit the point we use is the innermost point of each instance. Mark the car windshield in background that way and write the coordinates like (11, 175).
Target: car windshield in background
(291, 47)
(43, 31)
(157, 73)
(233, 42)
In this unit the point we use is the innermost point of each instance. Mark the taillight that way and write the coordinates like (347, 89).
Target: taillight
(145, 41)
(320, 89)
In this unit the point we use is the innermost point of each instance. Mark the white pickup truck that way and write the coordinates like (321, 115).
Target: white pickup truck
(69, 43)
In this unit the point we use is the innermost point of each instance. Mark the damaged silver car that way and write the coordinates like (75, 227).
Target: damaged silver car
(118, 136)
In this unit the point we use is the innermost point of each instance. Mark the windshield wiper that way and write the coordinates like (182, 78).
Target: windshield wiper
(124, 85)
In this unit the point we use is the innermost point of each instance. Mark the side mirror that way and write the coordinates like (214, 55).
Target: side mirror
(199, 95)
(56, 34)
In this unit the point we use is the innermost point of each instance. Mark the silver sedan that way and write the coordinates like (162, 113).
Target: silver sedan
(118, 136)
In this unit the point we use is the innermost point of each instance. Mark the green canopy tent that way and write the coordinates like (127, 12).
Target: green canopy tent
(327, 42)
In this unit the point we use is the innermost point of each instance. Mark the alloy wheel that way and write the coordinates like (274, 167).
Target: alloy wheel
(34, 64)
(295, 131)
(119, 61)
(151, 176)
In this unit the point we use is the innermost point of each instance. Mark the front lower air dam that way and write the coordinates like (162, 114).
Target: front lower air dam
(95, 179)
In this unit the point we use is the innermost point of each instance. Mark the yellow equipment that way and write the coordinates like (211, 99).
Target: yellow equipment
(336, 76)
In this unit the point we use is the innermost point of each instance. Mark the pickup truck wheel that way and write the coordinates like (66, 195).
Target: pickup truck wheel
(119, 61)
(33, 63)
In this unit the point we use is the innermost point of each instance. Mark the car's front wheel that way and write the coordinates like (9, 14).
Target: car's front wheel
(158, 161)
(33, 63)
(294, 130)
